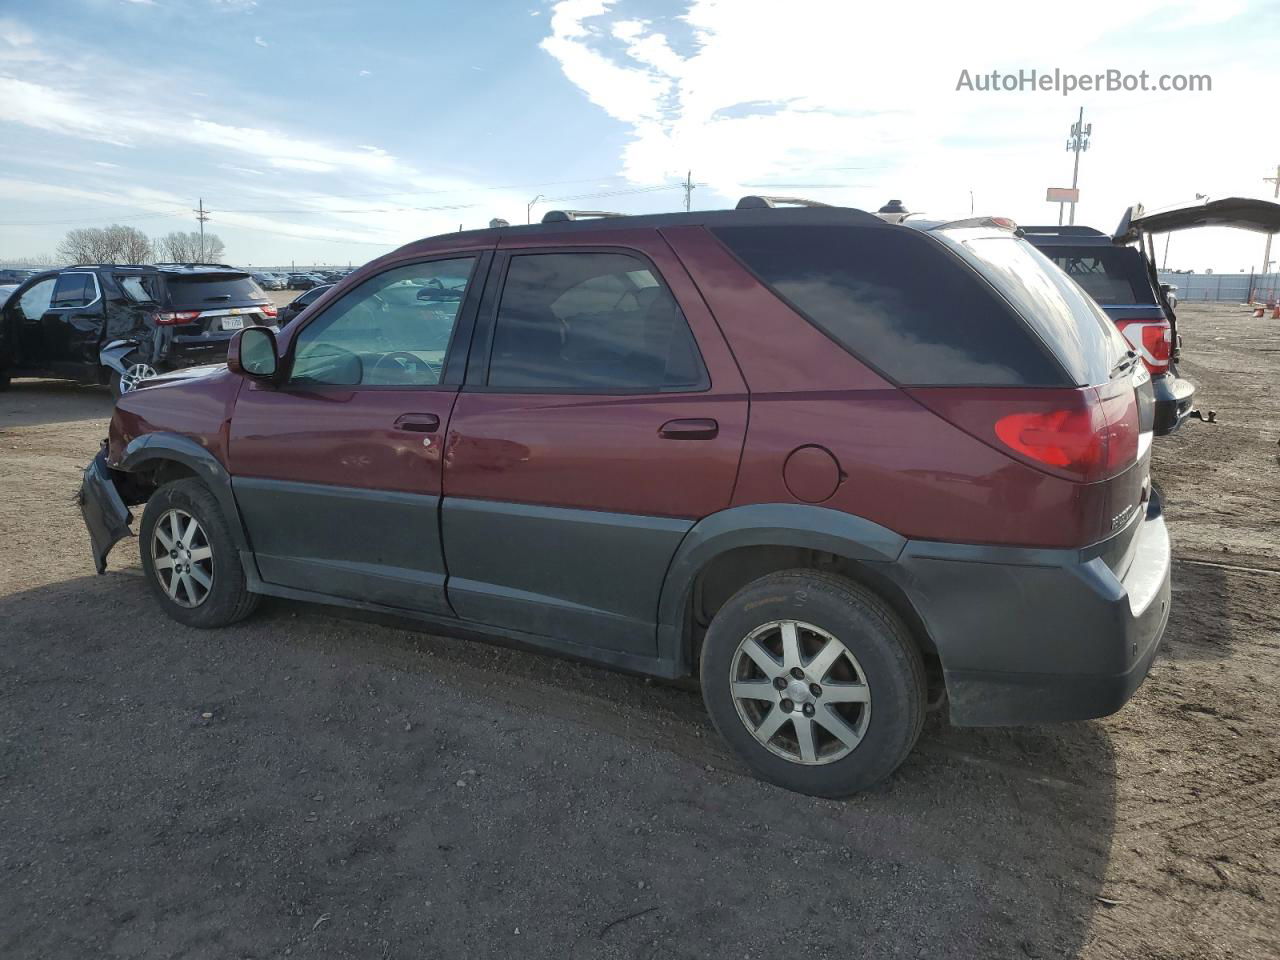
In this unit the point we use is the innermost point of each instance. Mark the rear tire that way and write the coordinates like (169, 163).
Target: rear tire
(769, 665)
(210, 588)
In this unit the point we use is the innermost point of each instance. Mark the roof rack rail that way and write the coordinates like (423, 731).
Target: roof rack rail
(175, 263)
(564, 216)
(753, 202)
(1064, 230)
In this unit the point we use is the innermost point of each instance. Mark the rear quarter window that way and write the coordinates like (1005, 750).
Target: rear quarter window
(1081, 335)
(898, 300)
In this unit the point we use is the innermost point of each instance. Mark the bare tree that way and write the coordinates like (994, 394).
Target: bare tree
(129, 244)
(113, 244)
(176, 247)
(86, 245)
(180, 247)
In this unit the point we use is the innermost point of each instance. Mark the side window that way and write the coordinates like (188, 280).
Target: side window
(392, 330)
(591, 321)
(73, 290)
(36, 300)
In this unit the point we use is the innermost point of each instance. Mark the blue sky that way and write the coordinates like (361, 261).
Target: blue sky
(332, 132)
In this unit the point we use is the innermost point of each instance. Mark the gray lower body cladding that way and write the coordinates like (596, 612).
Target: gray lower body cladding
(1029, 636)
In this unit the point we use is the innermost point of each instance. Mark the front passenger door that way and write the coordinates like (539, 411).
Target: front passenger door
(337, 470)
(72, 326)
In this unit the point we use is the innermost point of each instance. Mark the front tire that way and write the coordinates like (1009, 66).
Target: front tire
(190, 557)
(814, 682)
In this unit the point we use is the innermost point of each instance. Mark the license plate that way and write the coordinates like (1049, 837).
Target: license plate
(233, 323)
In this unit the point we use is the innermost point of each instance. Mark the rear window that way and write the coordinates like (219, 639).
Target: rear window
(898, 301)
(1081, 335)
(1114, 276)
(204, 290)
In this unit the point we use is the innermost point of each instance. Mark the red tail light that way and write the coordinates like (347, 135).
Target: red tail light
(268, 310)
(1070, 439)
(173, 317)
(1153, 339)
(1087, 435)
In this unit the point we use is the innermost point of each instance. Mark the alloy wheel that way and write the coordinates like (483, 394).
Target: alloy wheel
(182, 558)
(135, 374)
(800, 691)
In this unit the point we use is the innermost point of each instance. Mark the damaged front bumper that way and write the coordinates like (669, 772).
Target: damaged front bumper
(104, 511)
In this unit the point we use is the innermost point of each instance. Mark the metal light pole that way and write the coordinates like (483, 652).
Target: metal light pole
(1266, 256)
(528, 211)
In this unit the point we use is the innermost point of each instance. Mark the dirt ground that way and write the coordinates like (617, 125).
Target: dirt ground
(311, 784)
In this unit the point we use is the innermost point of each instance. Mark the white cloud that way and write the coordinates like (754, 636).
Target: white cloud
(45, 108)
(260, 42)
(365, 73)
(721, 90)
(142, 3)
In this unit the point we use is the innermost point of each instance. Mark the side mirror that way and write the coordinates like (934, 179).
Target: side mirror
(1167, 288)
(252, 353)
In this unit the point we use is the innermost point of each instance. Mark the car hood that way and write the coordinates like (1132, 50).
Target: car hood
(1245, 213)
(184, 373)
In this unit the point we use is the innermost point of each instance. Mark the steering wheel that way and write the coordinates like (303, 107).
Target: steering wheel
(406, 360)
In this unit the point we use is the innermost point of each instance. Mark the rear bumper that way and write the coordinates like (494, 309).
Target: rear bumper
(1029, 636)
(1173, 402)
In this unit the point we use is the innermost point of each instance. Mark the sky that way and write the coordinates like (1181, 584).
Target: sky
(331, 132)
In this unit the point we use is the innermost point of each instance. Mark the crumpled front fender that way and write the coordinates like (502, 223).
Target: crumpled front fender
(103, 509)
(113, 354)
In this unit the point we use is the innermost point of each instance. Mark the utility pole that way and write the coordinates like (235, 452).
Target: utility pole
(688, 191)
(202, 215)
(1077, 142)
(1266, 257)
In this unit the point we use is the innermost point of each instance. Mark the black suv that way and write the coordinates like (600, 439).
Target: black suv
(117, 324)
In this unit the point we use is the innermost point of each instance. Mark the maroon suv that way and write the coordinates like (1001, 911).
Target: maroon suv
(837, 468)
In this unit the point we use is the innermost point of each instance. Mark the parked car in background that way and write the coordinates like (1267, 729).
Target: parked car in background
(301, 302)
(304, 281)
(5, 290)
(122, 324)
(269, 281)
(1119, 279)
(925, 505)
(8, 277)
(1119, 272)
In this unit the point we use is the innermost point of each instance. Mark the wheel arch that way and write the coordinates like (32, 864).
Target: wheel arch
(728, 550)
(164, 457)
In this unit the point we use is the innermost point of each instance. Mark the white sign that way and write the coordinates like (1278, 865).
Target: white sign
(1063, 195)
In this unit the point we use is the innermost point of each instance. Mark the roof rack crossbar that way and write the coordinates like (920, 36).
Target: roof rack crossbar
(1063, 230)
(754, 202)
(563, 216)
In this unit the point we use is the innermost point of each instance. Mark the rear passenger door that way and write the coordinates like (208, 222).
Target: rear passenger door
(72, 326)
(602, 416)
